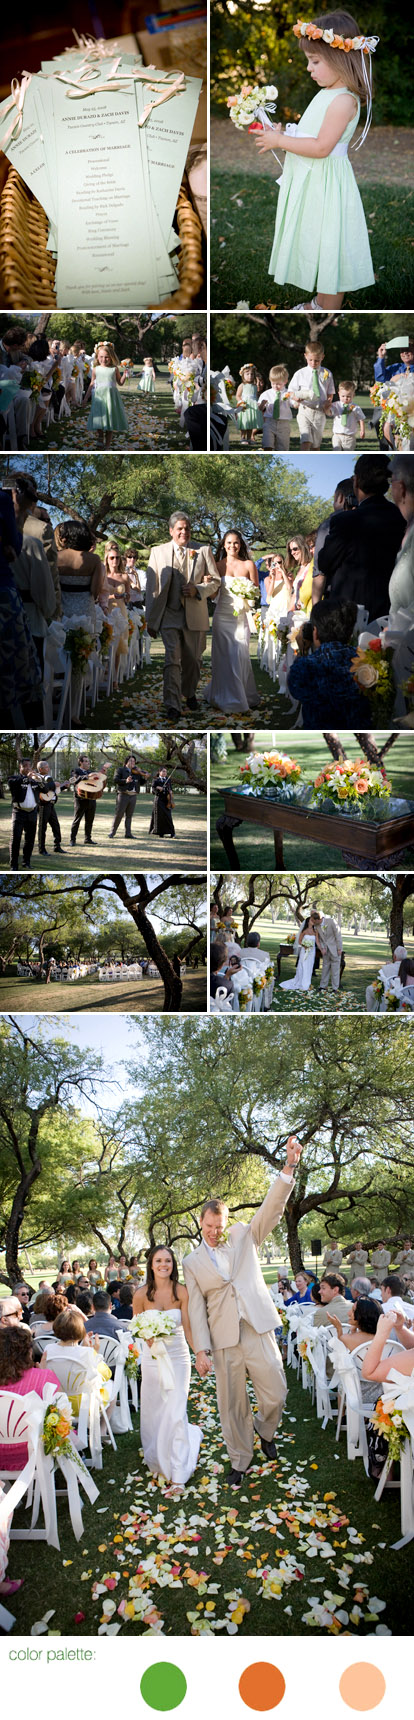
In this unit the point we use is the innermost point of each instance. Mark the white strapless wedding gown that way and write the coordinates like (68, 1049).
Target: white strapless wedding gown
(304, 970)
(170, 1445)
(232, 686)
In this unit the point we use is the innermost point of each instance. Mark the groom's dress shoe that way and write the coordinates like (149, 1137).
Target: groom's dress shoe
(269, 1448)
(235, 1478)
(193, 704)
(173, 716)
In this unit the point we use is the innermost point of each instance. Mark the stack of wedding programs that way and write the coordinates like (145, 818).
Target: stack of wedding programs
(101, 141)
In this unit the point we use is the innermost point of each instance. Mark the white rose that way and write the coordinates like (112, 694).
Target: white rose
(328, 36)
(271, 92)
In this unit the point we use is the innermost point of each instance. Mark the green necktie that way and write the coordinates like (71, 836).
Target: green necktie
(315, 383)
(344, 417)
(276, 407)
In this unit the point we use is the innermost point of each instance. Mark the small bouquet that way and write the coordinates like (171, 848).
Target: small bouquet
(307, 943)
(389, 1421)
(34, 381)
(378, 989)
(132, 1361)
(351, 780)
(56, 1433)
(392, 1001)
(372, 670)
(245, 107)
(269, 973)
(245, 595)
(259, 984)
(106, 637)
(56, 376)
(79, 643)
(245, 997)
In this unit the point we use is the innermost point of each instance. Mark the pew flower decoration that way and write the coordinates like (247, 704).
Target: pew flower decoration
(350, 780)
(259, 984)
(142, 625)
(269, 973)
(264, 770)
(387, 1419)
(80, 642)
(243, 107)
(392, 1001)
(56, 1433)
(34, 381)
(245, 595)
(132, 1360)
(304, 1353)
(378, 989)
(56, 376)
(106, 637)
(245, 997)
(396, 400)
(371, 668)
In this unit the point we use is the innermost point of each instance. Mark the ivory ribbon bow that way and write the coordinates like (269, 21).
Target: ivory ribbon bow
(16, 101)
(40, 1468)
(164, 1365)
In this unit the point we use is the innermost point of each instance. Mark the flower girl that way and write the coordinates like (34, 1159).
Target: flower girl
(321, 241)
(107, 412)
(147, 380)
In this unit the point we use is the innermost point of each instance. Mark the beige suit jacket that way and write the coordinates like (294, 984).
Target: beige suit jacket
(338, 1305)
(159, 571)
(214, 1316)
(330, 936)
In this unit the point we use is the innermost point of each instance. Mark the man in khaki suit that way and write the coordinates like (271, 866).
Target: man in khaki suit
(232, 1316)
(331, 946)
(179, 581)
(333, 1300)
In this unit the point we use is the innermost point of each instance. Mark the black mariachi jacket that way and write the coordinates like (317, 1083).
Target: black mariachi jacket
(121, 779)
(18, 786)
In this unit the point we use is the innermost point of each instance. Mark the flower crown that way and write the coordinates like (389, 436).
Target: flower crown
(366, 44)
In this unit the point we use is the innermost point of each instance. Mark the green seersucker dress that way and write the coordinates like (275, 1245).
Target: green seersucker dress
(321, 240)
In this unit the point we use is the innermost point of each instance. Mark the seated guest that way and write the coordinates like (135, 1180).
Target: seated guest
(102, 1320)
(331, 1291)
(388, 972)
(218, 969)
(122, 1302)
(401, 588)
(18, 1374)
(320, 677)
(23, 1293)
(360, 1287)
(11, 1311)
(364, 1317)
(303, 1290)
(69, 1330)
(52, 1304)
(375, 1365)
(359, 552)
(84, 1303)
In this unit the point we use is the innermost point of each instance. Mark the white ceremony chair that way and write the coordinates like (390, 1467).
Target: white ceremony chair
(74, 1368)
(113, 1352)
(21, 1423)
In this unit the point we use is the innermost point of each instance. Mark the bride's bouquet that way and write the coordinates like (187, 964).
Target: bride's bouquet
(155, 1324)
(274, 774)
(307, 943)
(245, 595)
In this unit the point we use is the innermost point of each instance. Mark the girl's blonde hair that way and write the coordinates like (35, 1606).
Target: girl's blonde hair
(248, 367)
(347, 66)
(109, 348)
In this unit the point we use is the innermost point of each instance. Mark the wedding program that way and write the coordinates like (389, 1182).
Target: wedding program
(207, 652)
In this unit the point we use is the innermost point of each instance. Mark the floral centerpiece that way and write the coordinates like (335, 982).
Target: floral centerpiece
(353, 785)
(291, 937)
(372, 670)
(389, 1421)
(245, 595)
(273, 774)
(244, 108)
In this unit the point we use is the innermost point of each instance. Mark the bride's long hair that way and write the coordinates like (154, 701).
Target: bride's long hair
(243, 551)
(150, 1284)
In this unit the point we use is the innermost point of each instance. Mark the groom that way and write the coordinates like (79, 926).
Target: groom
(233, 1317)
(179, 581)
(331, 947)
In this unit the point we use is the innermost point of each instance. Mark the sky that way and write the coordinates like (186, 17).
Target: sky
(323, 471)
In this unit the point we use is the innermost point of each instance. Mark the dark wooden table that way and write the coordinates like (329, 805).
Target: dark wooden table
(368, 846)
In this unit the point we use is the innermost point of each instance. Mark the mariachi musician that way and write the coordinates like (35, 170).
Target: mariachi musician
(85, 805)
(48, 793)
(24, 788)
(128, 781)
(161, 816)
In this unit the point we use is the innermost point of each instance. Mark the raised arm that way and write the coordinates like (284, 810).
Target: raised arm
(275, 1201)
(376, 1366)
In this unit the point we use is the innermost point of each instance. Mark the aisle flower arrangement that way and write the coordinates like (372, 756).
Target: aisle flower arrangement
(389, 1421)
(372, 670)
(79, 643)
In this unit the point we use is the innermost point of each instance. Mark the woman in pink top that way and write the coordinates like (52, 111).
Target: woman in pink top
(17, 1374)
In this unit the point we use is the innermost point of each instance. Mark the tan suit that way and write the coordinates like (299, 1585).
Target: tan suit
(183, 636)
(232, 1313)
(339, 1306)
(331, 945)
(43, 530)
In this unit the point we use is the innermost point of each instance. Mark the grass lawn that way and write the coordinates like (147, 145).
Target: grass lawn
(242, 241)
(152, 421)
(256, 850)
(182, 1565)
(370, 439)
(189, 848)
(117, 995)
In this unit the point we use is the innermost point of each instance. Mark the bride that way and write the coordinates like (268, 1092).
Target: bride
(307, 952)
(170, 1445)
(232, 686)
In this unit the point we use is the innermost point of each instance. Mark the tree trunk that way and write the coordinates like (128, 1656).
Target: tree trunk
(373, 753)
(335, 746)
(292, 1216)
(400, 891)
(42, 322)
(244, 743)
(16, 1220)
(173, 985)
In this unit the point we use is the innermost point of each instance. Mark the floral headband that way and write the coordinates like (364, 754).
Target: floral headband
(366, 44)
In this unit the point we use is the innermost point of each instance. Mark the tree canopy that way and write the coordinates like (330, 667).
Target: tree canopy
(253, 40)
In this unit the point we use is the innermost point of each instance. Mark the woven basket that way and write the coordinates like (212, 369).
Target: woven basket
(27, 268)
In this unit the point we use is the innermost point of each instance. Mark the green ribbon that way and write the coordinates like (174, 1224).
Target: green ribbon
(276, 407)
(344, 417)
(315, 383)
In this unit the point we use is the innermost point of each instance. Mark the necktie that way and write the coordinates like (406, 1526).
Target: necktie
(315, 383)
(344, 417)
(276, 407)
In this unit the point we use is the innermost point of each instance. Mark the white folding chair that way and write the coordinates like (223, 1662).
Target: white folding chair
(21, 1423)
(113, 1352)
(76, 1369)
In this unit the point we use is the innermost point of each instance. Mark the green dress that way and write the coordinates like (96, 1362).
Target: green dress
(107, 410)
(250, 418)
(321, 241)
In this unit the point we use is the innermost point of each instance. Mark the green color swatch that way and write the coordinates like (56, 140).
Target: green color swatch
(163, 1686)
